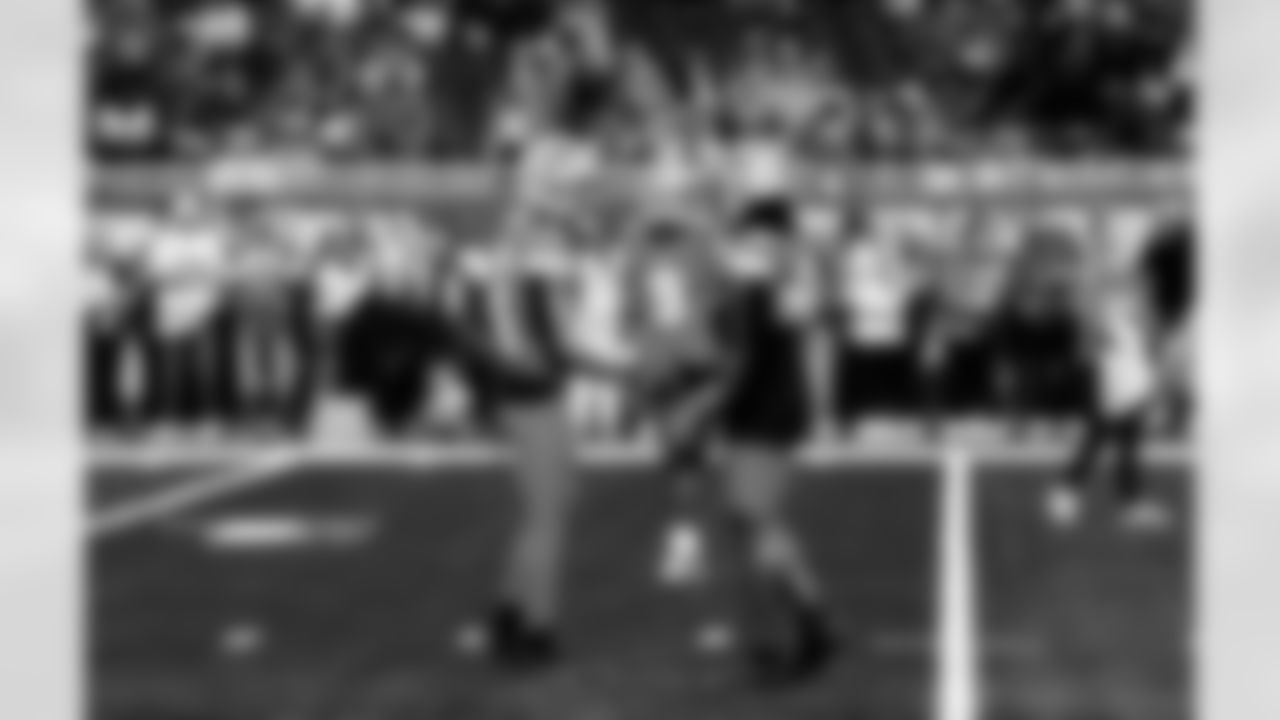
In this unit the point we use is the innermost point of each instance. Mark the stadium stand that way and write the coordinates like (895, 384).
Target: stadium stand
(397, 79)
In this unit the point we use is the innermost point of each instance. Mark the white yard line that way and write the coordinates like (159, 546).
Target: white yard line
(190, 494)
(958, 693)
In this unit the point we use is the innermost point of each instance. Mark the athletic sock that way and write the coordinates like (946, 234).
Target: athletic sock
(779, 558)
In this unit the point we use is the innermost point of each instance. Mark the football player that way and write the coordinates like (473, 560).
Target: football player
(681, 346)
(763, 419)
(520, 353)
(1124, 352)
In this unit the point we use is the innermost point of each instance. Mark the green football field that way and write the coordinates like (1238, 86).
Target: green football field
(322, 590)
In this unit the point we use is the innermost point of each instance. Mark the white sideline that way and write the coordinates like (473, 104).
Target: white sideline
(958, 692)
(255, 465)
(190, 494)
(133, 457)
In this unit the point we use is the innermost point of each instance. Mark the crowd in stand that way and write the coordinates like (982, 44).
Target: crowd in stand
(255, 314)
(257, 318)
(405, 79)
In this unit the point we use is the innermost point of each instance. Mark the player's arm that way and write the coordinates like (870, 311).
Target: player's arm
(694, 406)
(729, 331)
(465, 334)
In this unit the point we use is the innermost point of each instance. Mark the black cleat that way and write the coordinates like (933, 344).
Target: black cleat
(510, 641)
(808, 652)
(816, 644)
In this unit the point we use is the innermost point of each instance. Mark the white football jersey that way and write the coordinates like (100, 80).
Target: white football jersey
(340, 286)
(187, 263)
(763, 167)
(808, 282)
(124, 235)
(673, 172)
(749, 259)
(599, 319)
(1126, 362)
(1128, 232)
(305, 230)
(391, 244)
(257, 262)
(876, 291)
(668, 295)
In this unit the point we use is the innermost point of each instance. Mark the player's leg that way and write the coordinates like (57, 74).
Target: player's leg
(185, 358)
(157, 372)
(684, 423)
(756, 487)
(281, 364)
(849, 395)
(544, 478)
(266, 348)
(225, 367)
(307, 356)
(961, 380)
(932, 363)
(685, 413)
(451, 400)
(1066, 498)
(162, 403)
(202, 369)
(232, 368)
(522, 628)
(1176, 374)
(249, 369)
(897, 379)
(765, 560)
(1140, 511)
(1127, 434)
(133, 359)
(687, 465)
(822, 383)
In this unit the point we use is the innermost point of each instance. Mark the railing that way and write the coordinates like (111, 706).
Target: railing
(1011, 184)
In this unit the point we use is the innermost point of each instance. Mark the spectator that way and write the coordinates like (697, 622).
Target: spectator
(877, 368)
(1168, 268)
(275, 351)
(392, 80)
(1075, 71)
(118, 320)
(1038, 333)
(186, 267)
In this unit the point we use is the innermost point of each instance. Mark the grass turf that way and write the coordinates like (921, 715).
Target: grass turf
(363, 631)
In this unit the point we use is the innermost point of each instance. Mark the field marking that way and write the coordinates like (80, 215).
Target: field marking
(190, 494)
(958, 693)
(426, 455)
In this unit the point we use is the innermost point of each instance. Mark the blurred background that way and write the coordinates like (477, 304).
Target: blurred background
(262, 170)
(285, 195)
(419, 80)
